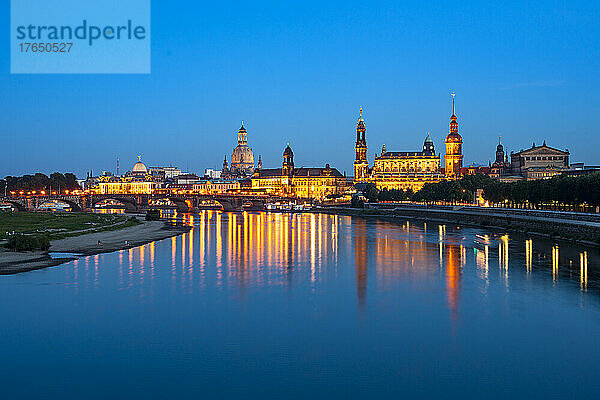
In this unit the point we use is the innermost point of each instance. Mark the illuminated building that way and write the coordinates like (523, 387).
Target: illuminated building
(407, 170)
(128, 187)
(539, 162)
(187, 179)
(454, 157)
(137, 181)
(396, 170)
(242, 159)
(361, 164)
(139, 169)
(216, 186)
(303, 182)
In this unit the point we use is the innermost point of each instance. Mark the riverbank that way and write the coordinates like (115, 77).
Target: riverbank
(575, 227)
(147, 231)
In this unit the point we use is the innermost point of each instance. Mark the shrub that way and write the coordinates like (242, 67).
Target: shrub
(152, 215)
(357, 203)
(28, 243)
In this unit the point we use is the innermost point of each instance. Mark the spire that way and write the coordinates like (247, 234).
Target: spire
(499, 139)
(140, 158)
(453, 123)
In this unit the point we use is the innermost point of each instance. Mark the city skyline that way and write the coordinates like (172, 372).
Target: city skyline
(371, 155)
(526, 73)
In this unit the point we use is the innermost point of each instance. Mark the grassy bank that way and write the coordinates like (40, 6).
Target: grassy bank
(60, 225)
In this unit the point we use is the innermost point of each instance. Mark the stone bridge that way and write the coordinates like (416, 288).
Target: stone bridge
(142, 202)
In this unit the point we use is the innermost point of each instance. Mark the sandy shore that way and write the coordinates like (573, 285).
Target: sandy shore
(149, 231)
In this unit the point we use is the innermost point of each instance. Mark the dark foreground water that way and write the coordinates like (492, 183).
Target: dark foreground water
(308, 306)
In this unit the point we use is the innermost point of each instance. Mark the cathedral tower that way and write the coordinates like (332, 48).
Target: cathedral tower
(454, 157)
(500, 152)
(288, 162)
(361, 165)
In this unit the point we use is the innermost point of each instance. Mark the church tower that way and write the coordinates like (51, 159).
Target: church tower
(454, 157)
(500, 152)
(361, 165)
(288, 162)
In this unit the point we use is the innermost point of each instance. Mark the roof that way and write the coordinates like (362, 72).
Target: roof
(543, 149)
(402, 154)
(187, 176)
(299, 172)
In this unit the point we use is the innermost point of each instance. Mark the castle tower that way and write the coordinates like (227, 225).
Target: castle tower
(361, 165)
(454, 157)
(428, 147)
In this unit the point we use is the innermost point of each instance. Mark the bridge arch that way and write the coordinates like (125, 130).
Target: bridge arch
(15, 204)
(130, 206)
(74, 206)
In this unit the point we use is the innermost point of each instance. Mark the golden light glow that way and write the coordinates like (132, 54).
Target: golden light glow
(583, 268)
(554, 263)
(528, 255)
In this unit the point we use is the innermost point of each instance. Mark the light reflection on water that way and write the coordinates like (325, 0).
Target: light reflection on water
(262, 249)
(323, 299)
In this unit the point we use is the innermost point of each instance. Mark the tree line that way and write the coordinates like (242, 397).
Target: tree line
(561, 189)
(38, 182)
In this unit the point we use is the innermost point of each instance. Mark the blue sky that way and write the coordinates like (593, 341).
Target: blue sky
(298, 71)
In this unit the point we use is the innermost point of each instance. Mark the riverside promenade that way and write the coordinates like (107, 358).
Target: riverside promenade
(580, 227)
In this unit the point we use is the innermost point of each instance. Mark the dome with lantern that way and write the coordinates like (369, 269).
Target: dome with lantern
(242, 159)
(139, 168)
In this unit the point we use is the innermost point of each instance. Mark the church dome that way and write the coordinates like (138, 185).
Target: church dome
(139, 167)
(242, 160)
(453, 137)
(288, 151)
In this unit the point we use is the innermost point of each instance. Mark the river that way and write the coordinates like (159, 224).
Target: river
(263, 305)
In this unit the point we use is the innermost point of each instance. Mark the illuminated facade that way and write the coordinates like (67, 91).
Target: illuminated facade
(309, 183)
(396, 170)
(216, 186)
(454, 157)
(137, 181)
(407, 170)
(128, 187)
(361, 164)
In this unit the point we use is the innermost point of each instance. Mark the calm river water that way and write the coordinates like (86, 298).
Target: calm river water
(259, 305)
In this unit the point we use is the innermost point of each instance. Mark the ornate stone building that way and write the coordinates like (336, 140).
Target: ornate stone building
(309, 183)
(454, 156)
(407, 170)
(539, 162)
(242, 159)
(137, 181)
